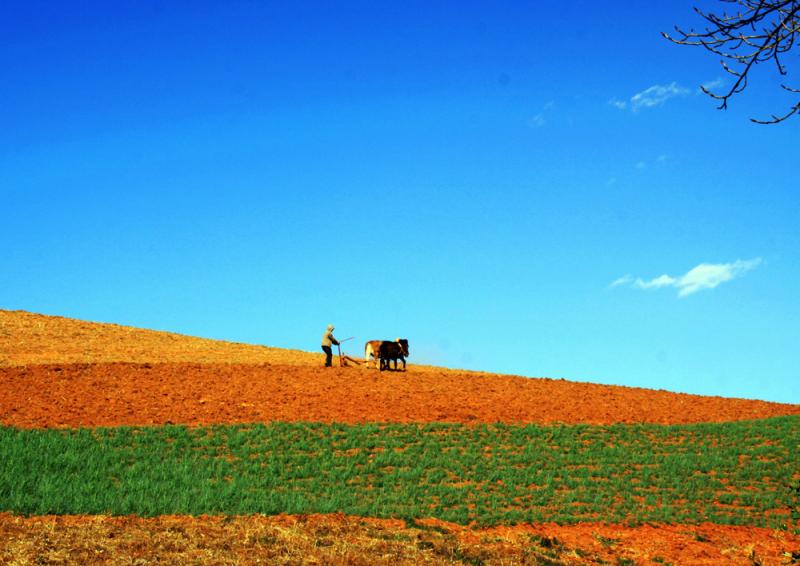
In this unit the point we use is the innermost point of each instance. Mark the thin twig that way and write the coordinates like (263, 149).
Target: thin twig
(759, 31)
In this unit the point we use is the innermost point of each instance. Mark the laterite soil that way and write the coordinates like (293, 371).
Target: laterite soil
(111, 394)
(60, 372)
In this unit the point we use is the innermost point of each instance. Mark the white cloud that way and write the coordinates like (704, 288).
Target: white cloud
(659, 161)
(537, 121)
(617, 103)
(716, 83)
(650, 97)
(624, 280)
(709, 275)
(658, 282)
(540, 119)
(656, 95)
(704, 276)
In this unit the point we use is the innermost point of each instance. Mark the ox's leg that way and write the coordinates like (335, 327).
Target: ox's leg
(402, 359)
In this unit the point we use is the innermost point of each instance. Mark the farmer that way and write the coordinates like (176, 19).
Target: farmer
(327, 340)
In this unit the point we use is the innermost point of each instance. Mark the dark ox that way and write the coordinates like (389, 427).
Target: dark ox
(382, 351)
(393, 351)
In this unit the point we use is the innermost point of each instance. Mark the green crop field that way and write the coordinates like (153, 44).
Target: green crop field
(744, 473)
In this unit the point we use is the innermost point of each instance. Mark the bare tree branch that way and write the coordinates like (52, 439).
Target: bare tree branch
(776, 119)
(759, 31)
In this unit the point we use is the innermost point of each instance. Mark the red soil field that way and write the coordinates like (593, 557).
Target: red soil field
(87, 395)
(59, 372)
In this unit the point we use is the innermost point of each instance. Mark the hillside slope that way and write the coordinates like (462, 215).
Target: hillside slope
(29, 338)
(59, 372)
(64, 372)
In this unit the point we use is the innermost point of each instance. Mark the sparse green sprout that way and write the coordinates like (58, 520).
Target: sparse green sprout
(741, 473)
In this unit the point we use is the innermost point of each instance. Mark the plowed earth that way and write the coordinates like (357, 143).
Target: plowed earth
(59, 372)
(87, 395)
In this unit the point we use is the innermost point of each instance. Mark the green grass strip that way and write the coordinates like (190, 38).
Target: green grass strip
(744, 473)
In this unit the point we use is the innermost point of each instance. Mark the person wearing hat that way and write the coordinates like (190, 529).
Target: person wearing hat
(327, 340)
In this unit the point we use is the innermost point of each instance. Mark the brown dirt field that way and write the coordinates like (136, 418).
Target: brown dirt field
(87, 395)
(339, 540)
(60, 372)
(29, 338)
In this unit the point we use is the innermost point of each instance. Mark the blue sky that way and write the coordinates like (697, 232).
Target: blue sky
(532, 188)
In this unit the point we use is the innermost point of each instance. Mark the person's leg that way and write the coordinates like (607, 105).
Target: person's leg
(328, 355)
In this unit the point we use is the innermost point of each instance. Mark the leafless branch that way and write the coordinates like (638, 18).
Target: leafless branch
(759, 31)
(775, 119)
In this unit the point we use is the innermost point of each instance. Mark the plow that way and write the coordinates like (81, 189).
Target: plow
(344, 359)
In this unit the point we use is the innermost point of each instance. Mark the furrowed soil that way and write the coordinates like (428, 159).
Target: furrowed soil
(60, 372)
(88, 395)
